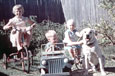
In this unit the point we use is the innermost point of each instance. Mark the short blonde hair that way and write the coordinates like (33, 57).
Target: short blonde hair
(50, 33)
(70, 22)
(18, 6)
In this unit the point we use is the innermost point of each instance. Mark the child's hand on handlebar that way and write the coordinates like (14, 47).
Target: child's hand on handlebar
(33, 25)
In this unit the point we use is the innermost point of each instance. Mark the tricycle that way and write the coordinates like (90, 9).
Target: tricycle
(23, 56)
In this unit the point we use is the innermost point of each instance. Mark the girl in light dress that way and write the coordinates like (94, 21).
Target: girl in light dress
(21, 26)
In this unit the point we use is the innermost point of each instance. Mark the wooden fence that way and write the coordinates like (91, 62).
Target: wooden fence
(43, 9)
(57, 10)
(83, 11)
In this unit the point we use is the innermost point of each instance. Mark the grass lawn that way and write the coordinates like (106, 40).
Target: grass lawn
(15, 70)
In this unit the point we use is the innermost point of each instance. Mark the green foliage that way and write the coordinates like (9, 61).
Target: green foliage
(2, 32)
(109, 50)
(109, 5)
(38, 33)
(106, 28)
(107, 32)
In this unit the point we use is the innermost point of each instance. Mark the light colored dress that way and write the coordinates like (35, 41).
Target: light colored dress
(21, 26)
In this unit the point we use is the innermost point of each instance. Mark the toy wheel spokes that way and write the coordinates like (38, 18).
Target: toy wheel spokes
(4, 61)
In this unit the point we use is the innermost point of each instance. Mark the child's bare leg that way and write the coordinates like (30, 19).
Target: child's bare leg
(79, 52)
(22, 56)
(18, 34)
(71, 52)
(27, 40)
(77, 55)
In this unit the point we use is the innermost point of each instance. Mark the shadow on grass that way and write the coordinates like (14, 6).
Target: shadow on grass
(2, 74)
(18, 67)
(79, 73)
(110, 69)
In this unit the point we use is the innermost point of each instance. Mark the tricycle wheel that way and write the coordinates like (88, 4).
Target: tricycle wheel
(28, 59)
(5, 61)
(28, 63)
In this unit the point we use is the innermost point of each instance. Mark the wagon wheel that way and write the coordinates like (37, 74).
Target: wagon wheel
(28, 59)
(5, 61)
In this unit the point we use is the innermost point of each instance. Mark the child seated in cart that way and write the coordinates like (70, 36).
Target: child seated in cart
(52, 38)
(19, 27)
(54, 44)
(71, 35)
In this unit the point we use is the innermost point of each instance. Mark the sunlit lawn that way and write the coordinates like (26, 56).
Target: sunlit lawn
(15, 70)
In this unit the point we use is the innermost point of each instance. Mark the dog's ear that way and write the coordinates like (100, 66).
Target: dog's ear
(94, 31)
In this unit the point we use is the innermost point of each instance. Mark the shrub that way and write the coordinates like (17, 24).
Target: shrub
(38, 34)
(106, 27)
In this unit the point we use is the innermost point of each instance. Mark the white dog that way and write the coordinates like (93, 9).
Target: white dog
(91, 51)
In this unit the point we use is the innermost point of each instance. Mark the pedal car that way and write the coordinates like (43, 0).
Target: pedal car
(56, 62)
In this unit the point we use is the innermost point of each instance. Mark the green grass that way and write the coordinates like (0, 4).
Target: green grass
(14, 70)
